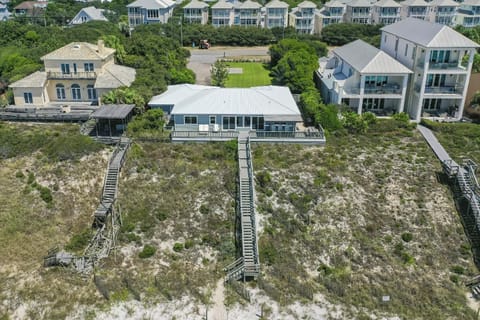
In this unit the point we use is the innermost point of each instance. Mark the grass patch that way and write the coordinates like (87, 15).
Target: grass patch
(254, 74)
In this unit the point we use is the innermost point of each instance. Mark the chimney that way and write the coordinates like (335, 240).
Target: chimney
(101, 47)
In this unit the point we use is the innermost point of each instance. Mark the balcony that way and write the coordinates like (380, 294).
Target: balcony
(442, 90)
(51, 75)
(389, 88)
(452, 66)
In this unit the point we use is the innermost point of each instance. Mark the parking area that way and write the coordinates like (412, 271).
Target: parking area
(201, 60)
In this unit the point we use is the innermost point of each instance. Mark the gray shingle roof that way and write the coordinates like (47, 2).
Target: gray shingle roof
(428, 34)
(446, 3)
(307, 4)
(222, 4)
(334, 4)
(93, 13)
(249, 5)
(471, 2)
(34, 80)
(365, 58)
(415, 3)
(113, 111)
(78, 51)
(360, 3)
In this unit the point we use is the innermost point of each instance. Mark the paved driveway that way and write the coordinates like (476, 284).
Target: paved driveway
(201, 60)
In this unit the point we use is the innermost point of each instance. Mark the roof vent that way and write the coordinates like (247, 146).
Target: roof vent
(76, 46)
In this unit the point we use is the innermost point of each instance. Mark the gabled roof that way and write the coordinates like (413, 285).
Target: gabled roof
(93, 13)
(152, 4)
(365, 58)
(334, 4)
(471, 3)
(115, 76)
(446, 3)
(195, 99)
(34, 80)
(113, 111)
(307, 4)
(415, 3)
(276, 4)
(249, 5)
(222, 4)
(388, 4)
(78, 51)
(196, 4)
(428, 34)
(360, 3)
(26, 5)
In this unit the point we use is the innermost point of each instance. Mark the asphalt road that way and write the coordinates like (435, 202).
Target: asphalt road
(201, 60)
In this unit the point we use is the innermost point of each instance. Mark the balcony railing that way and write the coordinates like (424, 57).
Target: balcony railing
(441, 65)
(389, 14)
(442, 90)
(73, 75)
(386, 89)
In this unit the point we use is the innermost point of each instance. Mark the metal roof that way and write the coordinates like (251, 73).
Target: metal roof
(34, 80)
(248, 5)
(471, 3)
(113, 111)
(334, 4)
(445, 3)
(196, 99)
(429, 34)
(222, 4)
(92, 12)
(360, 3)
(196, 4)
(306, 4)
(415, 3)
(365, 58)
(276, 4)
(388, 4)
(152, 4)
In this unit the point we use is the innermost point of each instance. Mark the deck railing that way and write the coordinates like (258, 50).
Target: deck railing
(72, 75)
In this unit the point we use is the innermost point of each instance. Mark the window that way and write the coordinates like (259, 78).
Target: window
(190, 119)
(247, 122)
(88, 67)
(213, 120)
(436, 80)
(372, 81)
(27, 96)
(60, 91)
(431, 104)
(76, 95)
(406, 49)
(65, 68)
(228, 123)
(91, 92)
(258, 123)
(239, 121)
(373, 104)
(439, 56)
(74, 68)
(385, 39)
(153, 14)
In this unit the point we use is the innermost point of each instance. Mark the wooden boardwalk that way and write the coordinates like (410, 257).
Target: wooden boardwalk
(248, 265)
(432, 141)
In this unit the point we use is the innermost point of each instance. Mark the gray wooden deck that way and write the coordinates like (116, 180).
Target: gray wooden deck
(432, 141)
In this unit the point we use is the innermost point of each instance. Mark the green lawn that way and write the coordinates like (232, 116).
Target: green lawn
(254, 74)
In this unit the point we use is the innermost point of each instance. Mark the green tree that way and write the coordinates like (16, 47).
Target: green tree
(114, 42)
(125, 96)
(342, 33)
(219, 73)
(295, 70)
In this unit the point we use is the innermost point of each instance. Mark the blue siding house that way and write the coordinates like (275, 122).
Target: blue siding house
(212, 109)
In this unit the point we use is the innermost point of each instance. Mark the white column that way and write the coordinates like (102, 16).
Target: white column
(467, 81)
(404, 92)
(426, 66)
(362, 91)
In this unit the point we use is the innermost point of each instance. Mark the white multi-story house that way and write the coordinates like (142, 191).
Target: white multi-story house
(222, 14)
(386, 12)
(441, 60)
(88, 14)
(359, 11)
(364, 78)
(76, 74)
(195, 12)
(149, 11)
(443, 11)
(468, 15)
(418, 9)
(247, 13)
(332, 12)
(304, 18)
(276, 14)
(4, 13)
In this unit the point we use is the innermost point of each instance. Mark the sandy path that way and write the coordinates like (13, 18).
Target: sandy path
(218, 311)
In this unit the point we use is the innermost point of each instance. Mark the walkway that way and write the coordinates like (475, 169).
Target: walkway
(248, 265)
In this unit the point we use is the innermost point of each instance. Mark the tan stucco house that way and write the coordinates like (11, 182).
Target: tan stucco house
(76, 74)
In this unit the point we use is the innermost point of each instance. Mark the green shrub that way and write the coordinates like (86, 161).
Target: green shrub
(132, 237)
(189, 244)
(162, 215)
(204, 209)
(407, 236)
(263, 178)
(178, 247)
(45, 194)
(79, 241)
(457, 269)
(454, 278)
(369, 117)
(19, 175)
(147, 251)
(31, 178)
(407, 258)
